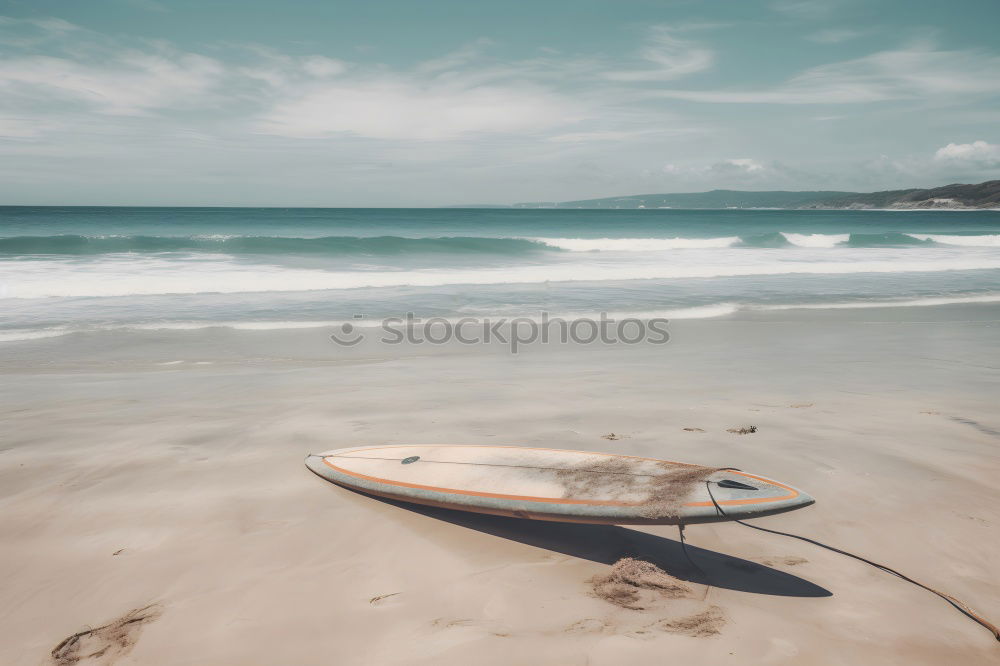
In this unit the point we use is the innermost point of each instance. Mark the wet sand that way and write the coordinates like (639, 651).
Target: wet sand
(166, 468)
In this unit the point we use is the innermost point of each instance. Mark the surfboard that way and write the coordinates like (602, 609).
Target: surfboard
(556, 484)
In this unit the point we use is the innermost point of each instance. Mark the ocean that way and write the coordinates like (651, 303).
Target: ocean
(72, 269)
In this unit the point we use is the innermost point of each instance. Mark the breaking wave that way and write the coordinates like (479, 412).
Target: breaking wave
(362, 246)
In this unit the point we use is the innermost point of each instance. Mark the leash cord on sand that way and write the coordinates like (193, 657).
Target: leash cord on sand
(960, 606)
(708, 583)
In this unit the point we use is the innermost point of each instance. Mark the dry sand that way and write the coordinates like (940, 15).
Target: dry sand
(124, 483)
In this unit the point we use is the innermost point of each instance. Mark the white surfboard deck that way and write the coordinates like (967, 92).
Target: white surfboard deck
(556, 484)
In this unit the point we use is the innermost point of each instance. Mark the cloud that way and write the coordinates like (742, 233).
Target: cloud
(834, 35)
(322, 67)
(14, 127)
(394, 108)
(456, 59)
(262, 91)
(917, 72)
(607, 135)
(732, 167)
(20, 33)
(278, 71)
(740, 165)
(471, 92)
(976, 154)
(130, 83)
(954, 162)
(47, 24)
(670, 56)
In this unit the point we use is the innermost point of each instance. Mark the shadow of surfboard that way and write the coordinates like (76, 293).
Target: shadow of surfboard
(609, 543)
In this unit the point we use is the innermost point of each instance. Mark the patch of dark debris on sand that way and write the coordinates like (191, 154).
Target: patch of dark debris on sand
(700, 625)
(375, 600)
(630, 582)
(614, 437)
(445, 623)
(588, 625)
(693, 429)
(638, 585)
(745, 430)
(107, 643)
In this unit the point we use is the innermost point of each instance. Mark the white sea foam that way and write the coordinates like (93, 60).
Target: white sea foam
(40, 279)
(14, 335)
(902, 303)
(17, 334)
(636, 244)
(816, 240)
(694, 312)
(239, 325)
(989, 240)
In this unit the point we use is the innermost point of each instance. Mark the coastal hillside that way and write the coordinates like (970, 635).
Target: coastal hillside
(983, 195)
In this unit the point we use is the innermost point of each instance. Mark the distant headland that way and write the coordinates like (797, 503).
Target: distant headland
(948, 197)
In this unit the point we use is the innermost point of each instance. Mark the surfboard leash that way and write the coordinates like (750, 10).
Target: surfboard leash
(708, 581)
(956, 603)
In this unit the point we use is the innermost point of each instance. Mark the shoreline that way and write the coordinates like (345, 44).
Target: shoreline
(120, 348)
(724, 311)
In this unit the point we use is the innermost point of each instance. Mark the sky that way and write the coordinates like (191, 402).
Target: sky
(451, 102)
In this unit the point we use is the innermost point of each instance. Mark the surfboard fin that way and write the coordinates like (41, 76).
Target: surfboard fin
(729, 483)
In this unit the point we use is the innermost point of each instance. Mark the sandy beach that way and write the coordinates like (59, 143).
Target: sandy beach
(145, 468)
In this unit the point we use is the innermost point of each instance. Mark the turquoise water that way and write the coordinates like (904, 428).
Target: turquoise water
(68, 269)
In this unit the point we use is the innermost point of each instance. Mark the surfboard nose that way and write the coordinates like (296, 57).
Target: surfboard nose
(800, 501)
(737, 495)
